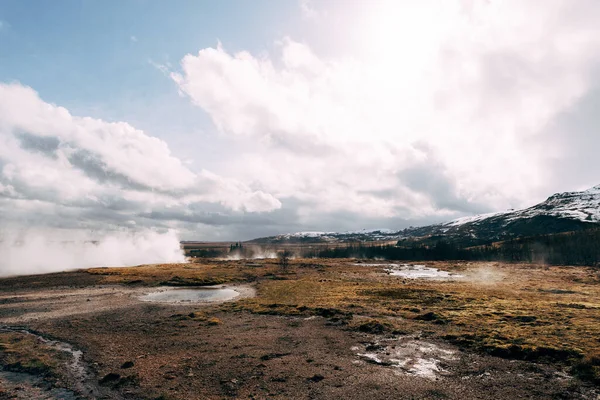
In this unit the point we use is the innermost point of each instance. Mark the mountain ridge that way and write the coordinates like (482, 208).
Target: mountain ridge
(561, 212)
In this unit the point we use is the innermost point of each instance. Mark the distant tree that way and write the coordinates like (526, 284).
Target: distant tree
(284, 259)
(580, 247)
(235, 246)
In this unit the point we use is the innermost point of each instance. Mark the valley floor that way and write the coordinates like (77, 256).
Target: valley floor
(316, 329)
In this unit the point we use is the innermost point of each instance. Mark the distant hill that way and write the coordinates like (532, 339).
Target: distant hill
(562, 212)
(332, 237)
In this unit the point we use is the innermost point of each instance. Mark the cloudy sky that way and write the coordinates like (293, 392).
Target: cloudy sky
(236, 119)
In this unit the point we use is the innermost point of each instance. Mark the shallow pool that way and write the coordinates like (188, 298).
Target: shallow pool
(190, 295)
(419, 272)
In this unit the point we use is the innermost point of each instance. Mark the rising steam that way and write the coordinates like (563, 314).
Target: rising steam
(38, 252)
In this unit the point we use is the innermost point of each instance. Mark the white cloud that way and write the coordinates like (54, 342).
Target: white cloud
(60, 170)
(463, 91)
(428, 111)
(161, 67)
(133, 39)
(308, 9)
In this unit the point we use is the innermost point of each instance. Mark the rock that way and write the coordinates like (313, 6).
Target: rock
(127, 364)
(111, 377)
(374, 347)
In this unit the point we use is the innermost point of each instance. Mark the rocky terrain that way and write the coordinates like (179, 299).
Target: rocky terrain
(314, 329)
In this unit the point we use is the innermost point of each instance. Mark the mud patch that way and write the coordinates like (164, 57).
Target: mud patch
(413, 271)
(26, 386)
(419, 272)
(409, 356)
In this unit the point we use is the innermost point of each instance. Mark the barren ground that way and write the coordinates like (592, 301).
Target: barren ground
(319, 329)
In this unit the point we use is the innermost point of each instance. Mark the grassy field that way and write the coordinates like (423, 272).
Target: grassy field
(529, 312)
(20, 352)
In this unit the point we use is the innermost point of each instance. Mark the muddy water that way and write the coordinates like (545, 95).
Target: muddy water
(191, 295)
(84, 381)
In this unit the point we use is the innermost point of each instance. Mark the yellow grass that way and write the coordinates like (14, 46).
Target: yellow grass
(21, 352)
(521, 311)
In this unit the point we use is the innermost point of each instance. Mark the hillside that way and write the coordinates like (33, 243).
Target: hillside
(562, 212)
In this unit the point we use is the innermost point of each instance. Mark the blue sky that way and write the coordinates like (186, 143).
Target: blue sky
(95, 57)
(96, 51)
(236, 119)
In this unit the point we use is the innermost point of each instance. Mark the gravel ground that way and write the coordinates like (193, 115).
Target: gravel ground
(143, 350)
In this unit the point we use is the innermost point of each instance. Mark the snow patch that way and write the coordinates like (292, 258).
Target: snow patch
(582, 206)
(472, 218)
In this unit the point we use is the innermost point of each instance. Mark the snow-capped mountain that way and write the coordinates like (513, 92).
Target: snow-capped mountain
(319, 237)
(562, 212)
(582, 206)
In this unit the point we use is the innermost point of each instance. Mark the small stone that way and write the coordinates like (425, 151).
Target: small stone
(110, 377)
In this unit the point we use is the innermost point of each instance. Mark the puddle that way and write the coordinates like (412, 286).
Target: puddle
(408, 356)
(27, 386)
(84, 381)
(415, 271)
(191, 295)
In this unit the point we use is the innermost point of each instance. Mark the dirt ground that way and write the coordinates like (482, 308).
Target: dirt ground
(319, 329)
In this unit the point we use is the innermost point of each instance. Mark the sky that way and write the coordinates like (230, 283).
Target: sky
(232, 120)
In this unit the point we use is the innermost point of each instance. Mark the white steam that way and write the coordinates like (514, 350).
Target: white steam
(485, 274)
(42, 251)
(253, 253)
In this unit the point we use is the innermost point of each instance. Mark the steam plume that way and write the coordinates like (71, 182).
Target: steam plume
(43, 251)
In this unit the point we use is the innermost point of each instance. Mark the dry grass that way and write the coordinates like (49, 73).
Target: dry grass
(516, 311)
(206, 273)
(20, 352)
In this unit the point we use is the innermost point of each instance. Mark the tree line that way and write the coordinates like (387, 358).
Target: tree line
(571, 248)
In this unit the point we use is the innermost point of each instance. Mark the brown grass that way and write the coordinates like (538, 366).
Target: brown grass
(20, 352)
(516, 311)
